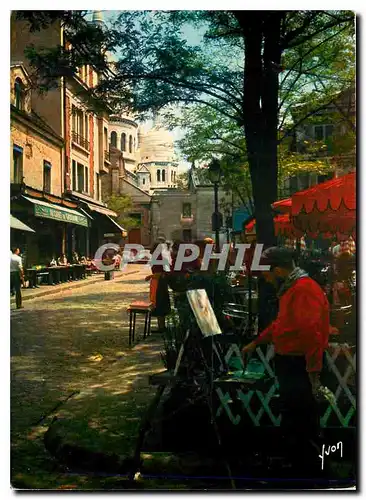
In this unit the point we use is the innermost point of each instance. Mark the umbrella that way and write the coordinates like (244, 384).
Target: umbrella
(329, 207)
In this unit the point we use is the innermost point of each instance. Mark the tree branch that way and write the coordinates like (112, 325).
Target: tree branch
(310, 51)
(205, 89)
(308, 37)
(323, 106)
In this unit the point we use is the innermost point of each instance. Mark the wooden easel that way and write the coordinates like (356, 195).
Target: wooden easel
(166, 379)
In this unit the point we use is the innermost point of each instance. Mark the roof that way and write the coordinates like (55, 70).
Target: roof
(199, 177)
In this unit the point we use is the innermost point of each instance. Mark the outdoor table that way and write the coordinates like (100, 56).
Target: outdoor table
(56, 274)
(32, 274)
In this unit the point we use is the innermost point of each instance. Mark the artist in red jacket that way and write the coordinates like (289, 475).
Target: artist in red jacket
(300, 336)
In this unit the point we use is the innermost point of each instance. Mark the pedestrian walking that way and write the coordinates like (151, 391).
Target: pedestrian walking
(16, 276)
(300, 337)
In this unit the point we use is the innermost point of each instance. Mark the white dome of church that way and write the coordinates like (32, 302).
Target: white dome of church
(157, 145)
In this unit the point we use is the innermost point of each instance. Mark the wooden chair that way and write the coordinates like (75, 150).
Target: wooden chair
(139, 307)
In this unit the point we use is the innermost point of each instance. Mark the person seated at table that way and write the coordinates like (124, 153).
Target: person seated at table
(83, 260)
(53, 261)
(75, 258)
(62, 261)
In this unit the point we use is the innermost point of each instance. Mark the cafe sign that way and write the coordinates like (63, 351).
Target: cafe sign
(60, 215)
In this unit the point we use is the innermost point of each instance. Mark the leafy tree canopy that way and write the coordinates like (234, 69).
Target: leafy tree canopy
(122, 205)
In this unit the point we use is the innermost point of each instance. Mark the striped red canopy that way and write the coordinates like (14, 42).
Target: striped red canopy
(329, 207)
(283, 226)
(283, 206)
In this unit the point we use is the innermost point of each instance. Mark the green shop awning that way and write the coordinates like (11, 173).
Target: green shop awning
(54, 212)
(18, 224)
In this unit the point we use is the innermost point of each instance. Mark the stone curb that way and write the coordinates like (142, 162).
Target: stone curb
(71, 286)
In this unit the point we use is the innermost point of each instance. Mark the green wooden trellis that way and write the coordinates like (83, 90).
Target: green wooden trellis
(245, 397)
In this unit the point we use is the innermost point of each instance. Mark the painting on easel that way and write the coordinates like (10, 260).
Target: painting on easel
(204, 314)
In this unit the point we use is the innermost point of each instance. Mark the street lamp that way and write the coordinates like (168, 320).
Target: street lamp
(214, 175)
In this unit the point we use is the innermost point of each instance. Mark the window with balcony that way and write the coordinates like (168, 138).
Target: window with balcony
(114, 139)
(46, 177)
(187, 210)
(17, 164)
(80, 127)
(123, 142)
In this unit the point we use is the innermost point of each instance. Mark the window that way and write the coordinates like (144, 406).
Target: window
(163, 175)
(46, 177)
(158, 175)
(73, 118)
(123, 142)
(80, 178)
(328, 131)
(86, 127)
(114, 139)
(80, 122)
(143, 180)
(187, 210)
(105, 138)
(18, 164)
(19, 94)
(323, 132)
(74, 186)
(97, 181)
(130, 144)
(86, 185)
(187, 235)
(137, 217)
(318, 133)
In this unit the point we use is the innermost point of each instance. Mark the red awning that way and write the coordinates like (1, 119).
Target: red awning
(326, 208)
(283, 206)
(334, 195)
(283, 226)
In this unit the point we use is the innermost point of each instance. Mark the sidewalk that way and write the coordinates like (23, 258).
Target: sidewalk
(43, 290)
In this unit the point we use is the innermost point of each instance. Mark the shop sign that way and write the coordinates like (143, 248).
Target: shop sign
(60, 215)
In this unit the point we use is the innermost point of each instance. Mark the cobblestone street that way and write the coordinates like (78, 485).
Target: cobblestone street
(70, 358)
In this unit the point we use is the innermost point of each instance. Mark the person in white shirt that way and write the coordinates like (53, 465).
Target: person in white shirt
(16, 276)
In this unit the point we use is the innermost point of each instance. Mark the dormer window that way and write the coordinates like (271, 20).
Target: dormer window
(19, 94)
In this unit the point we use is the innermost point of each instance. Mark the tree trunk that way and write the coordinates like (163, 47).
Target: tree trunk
(260, 119)
(260, 116)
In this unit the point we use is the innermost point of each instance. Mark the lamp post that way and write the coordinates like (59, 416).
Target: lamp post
(214, 174)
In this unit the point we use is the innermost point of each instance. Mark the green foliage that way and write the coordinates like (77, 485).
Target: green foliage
(251, 69)
(182, 180)
(122, 204)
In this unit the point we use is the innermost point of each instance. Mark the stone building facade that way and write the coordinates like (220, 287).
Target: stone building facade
(186, 214)
(83, 131)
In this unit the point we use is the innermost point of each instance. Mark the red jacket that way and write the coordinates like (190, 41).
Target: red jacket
(302, 324)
